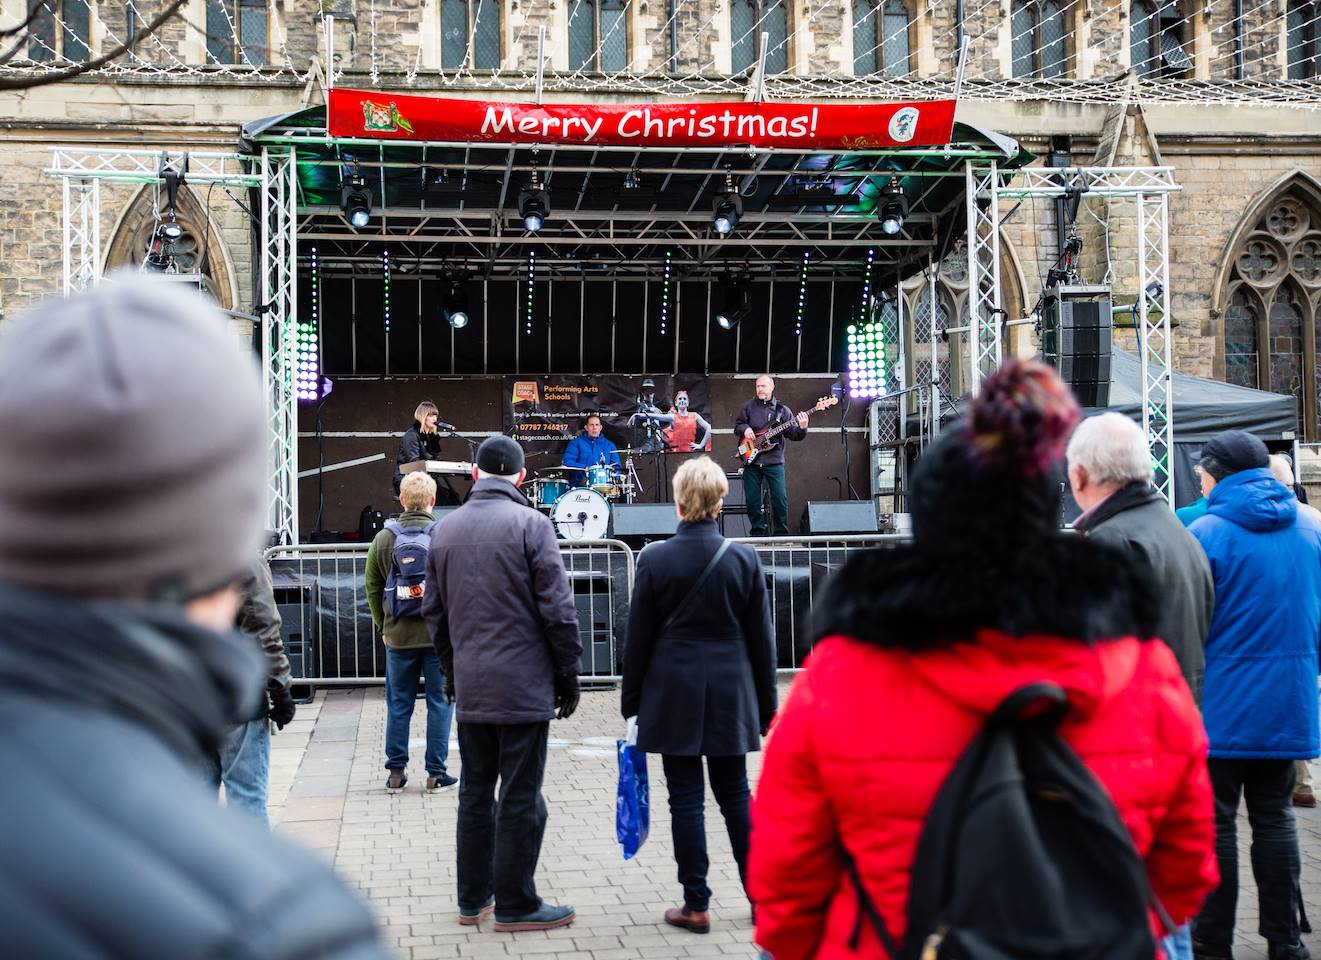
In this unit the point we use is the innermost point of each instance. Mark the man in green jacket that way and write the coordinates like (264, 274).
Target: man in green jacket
(409, 655)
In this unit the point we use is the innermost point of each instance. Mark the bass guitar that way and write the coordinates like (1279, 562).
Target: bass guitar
(764, 439)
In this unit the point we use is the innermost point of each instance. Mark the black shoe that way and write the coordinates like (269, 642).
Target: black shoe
(396, 782)
(1211, 951)
(439, 781)
(546, 917)
(470, 918)
(1287, 951)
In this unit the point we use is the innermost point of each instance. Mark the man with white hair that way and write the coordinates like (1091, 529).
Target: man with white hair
(1110, 474)
(502, 617)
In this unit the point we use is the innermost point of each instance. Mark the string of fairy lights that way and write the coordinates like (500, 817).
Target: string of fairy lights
(665, 296)
(307, 362)
(529, 302)
(802, 293)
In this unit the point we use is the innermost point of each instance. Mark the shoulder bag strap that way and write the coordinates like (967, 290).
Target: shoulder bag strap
(866, 909)
(692, 591)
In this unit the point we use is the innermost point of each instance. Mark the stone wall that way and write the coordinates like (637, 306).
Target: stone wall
(407, 35)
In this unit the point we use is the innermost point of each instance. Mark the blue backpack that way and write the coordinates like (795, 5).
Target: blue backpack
(406, 583)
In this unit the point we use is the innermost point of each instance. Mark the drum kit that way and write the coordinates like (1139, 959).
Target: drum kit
(582, 511)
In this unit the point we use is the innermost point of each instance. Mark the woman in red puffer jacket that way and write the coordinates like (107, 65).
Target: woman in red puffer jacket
(922, 642)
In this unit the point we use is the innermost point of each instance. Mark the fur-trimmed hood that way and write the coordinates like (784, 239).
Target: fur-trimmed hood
(911, 598)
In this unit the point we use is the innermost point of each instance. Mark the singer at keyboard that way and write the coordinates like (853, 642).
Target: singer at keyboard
(421, 441)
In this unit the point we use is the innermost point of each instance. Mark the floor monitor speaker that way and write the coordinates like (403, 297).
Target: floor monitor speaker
(839, 516)
(651, 520)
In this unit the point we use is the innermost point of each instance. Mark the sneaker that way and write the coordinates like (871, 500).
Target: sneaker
(696, 921)
(439, 781)
(396, 781)
(1288, 951)
(1304, 798)
(546, 917)
(470, 918)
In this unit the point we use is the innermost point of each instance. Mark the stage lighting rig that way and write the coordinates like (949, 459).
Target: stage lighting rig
(893, 207)
(355, 199)
(533, 205)
(726, 208)
(456, 302)
(735, 302)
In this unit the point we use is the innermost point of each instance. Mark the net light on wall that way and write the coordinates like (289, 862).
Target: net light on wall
(866, 344)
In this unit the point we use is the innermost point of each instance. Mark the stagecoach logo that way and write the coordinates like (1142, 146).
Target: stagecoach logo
(903, 124)
(383, 119)
(525, 391)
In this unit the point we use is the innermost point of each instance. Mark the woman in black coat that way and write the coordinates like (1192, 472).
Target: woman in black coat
(421, 441)
(699, 674)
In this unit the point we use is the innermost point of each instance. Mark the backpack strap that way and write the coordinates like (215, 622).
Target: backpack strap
(866, 908)
(394, 526)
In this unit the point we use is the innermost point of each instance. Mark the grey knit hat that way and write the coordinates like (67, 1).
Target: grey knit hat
(132, 450)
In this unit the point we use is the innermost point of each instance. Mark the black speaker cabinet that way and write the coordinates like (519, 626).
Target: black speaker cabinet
(653, 521)
(839, 516)
(1076, 333)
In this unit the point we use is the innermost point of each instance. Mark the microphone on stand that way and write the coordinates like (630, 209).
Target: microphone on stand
(442, 425)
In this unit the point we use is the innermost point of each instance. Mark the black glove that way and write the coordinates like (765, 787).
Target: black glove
(282, 705)
(766, 724)
(447, 689)
(566, 695)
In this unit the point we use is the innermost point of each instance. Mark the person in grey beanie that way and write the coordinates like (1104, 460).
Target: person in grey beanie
(123, 531)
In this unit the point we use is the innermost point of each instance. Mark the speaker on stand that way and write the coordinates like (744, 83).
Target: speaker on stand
(1076, 329)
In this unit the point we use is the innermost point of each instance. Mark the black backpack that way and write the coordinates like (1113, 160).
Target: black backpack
(1023, 854)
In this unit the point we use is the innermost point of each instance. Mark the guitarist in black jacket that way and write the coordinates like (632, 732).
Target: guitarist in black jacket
(757, 414)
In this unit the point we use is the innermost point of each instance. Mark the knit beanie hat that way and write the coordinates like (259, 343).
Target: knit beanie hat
(500, 456)
(132, 446)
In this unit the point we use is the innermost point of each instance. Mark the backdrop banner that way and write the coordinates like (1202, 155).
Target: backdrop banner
(845, 126)
(647, 414)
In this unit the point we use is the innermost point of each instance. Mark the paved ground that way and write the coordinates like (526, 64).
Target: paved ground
(327, 791)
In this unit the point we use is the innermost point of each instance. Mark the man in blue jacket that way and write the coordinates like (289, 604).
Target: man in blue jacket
(1260, 690)
(589, 448)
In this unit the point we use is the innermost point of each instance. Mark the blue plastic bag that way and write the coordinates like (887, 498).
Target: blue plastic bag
(632, 800)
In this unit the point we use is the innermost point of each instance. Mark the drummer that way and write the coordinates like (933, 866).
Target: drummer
(590, 448)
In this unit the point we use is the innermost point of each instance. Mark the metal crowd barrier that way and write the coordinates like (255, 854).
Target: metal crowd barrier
(320, 592)
(795, 568)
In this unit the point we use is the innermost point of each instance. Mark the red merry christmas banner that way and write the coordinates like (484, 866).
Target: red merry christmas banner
(364, 113)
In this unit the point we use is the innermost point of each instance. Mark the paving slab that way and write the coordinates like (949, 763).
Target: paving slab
(399, 850)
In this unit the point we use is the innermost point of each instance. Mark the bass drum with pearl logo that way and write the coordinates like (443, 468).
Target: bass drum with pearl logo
(581, 514)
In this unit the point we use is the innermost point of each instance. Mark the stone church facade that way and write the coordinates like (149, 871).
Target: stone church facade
(1231, 101)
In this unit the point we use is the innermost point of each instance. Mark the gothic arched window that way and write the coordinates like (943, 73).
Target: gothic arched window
(748, 20)
(598, 35)
(1303, 39)
(881, 38)
(470, 24)
(1039, 38)
(1273, 311)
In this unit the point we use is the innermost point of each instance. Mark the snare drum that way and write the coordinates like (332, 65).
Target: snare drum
(547, 490)
(603, 480)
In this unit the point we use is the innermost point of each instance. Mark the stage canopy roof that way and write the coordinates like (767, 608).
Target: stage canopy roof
(620, 209)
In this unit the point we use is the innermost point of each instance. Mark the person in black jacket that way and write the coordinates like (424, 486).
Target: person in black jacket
(243, 761)
(1110, 474)
(510, 655)
(699, 674)
(421, 441)
(759, 413)
(120, 669)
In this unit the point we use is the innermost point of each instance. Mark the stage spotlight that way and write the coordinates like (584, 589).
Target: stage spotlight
(356, 200)
(735, 303)
(171, 231)
(533, 207)
(893, 207)
(456, 304)
(726, 210)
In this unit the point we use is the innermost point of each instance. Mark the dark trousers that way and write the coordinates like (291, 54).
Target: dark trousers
(754, 476)
(500, 836)
(729, 783)
(1267, 787)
